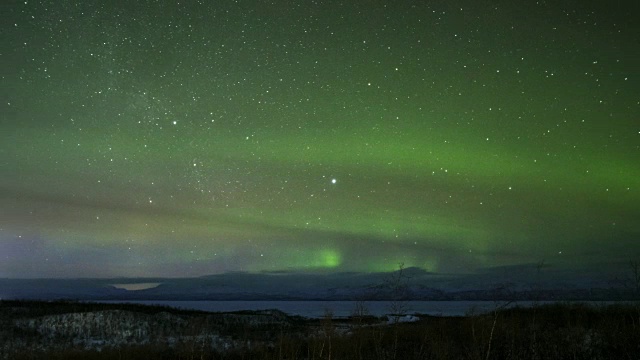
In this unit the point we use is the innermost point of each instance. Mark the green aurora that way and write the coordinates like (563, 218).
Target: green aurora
(154, 139)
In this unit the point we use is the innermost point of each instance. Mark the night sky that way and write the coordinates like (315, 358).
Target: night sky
(157, 138)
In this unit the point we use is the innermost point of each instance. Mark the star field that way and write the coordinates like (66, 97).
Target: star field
(154, 138)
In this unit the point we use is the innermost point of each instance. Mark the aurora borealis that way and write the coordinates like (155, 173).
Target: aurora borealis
(157, 138)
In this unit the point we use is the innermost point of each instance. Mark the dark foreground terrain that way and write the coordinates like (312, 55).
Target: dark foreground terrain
(71, 330)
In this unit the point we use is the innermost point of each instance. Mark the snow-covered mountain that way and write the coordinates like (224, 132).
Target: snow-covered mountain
(412, 283)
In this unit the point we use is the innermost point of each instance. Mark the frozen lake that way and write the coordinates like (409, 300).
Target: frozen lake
(317, 309)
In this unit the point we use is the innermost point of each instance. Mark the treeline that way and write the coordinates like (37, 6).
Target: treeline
(558, 331)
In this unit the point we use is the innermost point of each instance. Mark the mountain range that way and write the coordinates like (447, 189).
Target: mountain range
(525, 282)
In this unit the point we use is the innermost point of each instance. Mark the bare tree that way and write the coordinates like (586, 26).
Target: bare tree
(630, 281)
(537, 289)
(397, 283)
(360, 312)
(634, 266)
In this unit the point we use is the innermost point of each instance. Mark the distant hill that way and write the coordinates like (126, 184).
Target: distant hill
(522, 283)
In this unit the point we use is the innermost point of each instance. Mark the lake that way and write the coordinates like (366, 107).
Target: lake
(317, 309)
